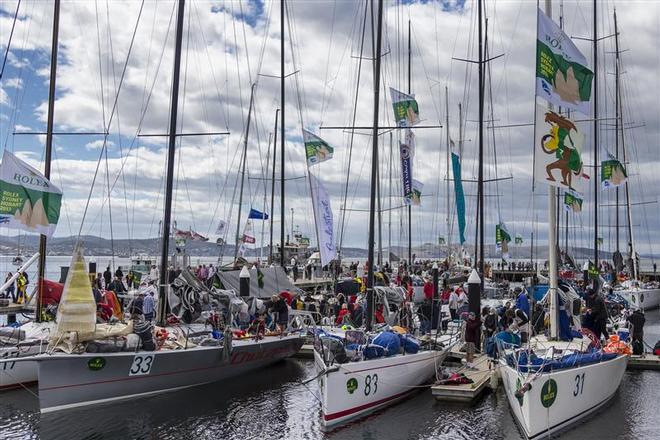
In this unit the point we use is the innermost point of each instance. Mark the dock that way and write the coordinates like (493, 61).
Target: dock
(313, 284)
(483, 376)
(644, 362)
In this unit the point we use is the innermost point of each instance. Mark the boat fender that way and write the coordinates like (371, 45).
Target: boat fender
(520, 392)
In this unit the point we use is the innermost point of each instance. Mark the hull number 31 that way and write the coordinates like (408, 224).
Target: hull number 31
(141, 364)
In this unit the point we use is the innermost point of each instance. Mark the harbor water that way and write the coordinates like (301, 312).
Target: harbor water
(273, 404)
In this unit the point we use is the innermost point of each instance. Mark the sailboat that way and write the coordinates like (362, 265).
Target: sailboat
(551, 383)
(361, 371)
(638, 294)
(193, 354)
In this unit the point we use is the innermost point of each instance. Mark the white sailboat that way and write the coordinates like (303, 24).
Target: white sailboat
(551, 384)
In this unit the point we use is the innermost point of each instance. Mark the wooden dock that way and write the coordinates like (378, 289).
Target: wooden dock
(645, 362)
(482, 376)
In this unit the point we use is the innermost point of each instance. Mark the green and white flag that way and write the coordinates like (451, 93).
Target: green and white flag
(573, 201)
(519, 239)
(28, 200)
(416, 194)
(562, 75)
(316, 149)
(502, 239)
(612, 172)
(406, 111)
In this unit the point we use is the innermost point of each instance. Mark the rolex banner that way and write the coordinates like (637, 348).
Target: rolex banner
(28, 200)
(557, 151)
(316, 149)
(613, 173)
(324, 221)
(562, 75)
(406, 111)
(406, 172)
(572, 201)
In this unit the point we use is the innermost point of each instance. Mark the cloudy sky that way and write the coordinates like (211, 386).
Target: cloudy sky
(229, 45)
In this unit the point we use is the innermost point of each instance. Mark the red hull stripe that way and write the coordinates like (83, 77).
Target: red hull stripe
(17, 385)
(389, 366)
(348, 412)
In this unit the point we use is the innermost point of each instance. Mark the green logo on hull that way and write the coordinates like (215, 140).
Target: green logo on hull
(351, 385)
(96, 363)
(548, 393)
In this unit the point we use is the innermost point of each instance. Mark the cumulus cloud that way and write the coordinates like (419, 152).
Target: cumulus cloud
(215, 92)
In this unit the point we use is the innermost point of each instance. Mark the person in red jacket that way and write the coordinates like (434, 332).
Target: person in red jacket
(342, 312)
(428, 289)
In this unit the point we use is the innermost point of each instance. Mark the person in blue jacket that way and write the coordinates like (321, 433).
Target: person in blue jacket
(522, 302)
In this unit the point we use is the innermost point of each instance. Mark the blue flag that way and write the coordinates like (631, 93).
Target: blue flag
(460, 197)
(257, 215)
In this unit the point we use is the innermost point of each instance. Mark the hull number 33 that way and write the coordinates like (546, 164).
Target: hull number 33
(141, 364)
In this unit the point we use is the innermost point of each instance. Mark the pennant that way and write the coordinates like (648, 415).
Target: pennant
(248, 239)
(198, 237)
(316, 149)
(519, 239)
(180, 234)
(562, 75)
(28, 201)
(324, 220)
(406, 111)
(558, 149)
(257, 215)
(460, 196)
(612, 173)
(502, 239)
(441, 241)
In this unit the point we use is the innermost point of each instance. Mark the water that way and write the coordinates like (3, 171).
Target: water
(273, 405)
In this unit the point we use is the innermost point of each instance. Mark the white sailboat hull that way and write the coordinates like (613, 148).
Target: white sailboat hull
(644, 299)
(578, 392)
(17, 374)
(374, 383)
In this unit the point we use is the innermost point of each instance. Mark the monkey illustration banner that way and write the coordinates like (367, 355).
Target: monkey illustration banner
(558, 151)
(562, 75)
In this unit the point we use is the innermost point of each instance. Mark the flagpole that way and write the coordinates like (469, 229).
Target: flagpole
(263, 221)
(282, 140)
(49, 149)
(552, 234)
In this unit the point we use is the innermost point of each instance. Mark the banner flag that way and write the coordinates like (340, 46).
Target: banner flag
(460, 196)
(558, 151)
(406, 111)
(572, 201)
(562, 75)
(316, 149)
(324, 221)
(613, 173)
(222, 226)
(28, 201)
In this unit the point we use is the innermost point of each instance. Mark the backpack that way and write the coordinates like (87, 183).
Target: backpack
(656, 349)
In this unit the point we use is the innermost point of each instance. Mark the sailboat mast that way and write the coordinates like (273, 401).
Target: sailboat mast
(596, 182)
(410, 262)
(174, 105)
(619, 110)
(447, 183)
(265, 206)
(552, 237)
(272, 189)
(374, 172)
(283, 129)
(49, 147)
(240, 194)
(480, 184)
(616, 122)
